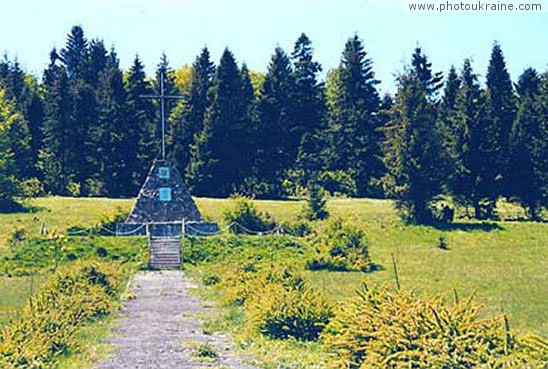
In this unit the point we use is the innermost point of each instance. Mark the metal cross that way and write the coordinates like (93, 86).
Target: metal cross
(162, 97)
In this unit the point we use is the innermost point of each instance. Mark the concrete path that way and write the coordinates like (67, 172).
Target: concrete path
(159, 328)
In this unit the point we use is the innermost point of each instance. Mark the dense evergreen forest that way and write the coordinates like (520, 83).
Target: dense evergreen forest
(85, 130)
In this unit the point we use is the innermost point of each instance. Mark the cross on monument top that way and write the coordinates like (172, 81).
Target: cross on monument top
(162, 97)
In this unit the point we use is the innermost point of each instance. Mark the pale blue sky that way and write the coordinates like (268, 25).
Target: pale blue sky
(252, 29)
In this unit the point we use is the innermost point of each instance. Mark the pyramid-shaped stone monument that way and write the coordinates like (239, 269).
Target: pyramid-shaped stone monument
(164, 207)
(164, 197)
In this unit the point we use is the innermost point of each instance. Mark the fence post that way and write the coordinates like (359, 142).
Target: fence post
(183, 236)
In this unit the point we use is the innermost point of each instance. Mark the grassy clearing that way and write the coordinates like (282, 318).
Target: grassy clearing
(504, 262)
(60, 213)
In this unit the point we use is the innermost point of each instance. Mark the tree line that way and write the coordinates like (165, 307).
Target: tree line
(85, 129)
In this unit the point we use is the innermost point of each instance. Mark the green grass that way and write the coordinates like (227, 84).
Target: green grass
(504, 263)
(59, 213)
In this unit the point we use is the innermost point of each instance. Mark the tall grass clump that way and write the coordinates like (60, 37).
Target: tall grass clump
(382, 328)
(47, 327)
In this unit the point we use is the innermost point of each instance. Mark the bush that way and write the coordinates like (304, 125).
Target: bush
(210, 280)
(338, 182)
(315, 208)
(299, 228)
(17, 237)
(283, 306)
(94, 188)
(245, 218)
(340, 247)
(110, 221)
(380, 328)
(73, 189)
(32, 188)
(50, 321)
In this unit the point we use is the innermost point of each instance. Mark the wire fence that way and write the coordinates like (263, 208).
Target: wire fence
(187, 226)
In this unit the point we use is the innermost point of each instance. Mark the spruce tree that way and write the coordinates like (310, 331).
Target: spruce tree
(142, 130)
(219, 160)
(276, 110)
(422, 70)
(74, 55)
(308, 96)
(474, 147)
(528, 171)
(60, 145)
(187, 118)
(354, 136)
(502, 109)
(170, 88)
(116, 149)
(450, 92)
(413, 152)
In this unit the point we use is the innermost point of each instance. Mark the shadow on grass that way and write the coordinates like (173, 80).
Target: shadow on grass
(12, 207)
(373, 267)
(468, 227)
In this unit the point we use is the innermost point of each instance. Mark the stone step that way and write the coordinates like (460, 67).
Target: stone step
(165, 252)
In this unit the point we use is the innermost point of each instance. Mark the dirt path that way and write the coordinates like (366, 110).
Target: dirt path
(159, 328)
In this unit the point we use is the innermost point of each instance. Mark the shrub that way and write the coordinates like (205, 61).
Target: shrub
(50, 321)
(315, 208)
(205, 350)
(380, 328)
(341, 247)
(338, 182)
(245, 218)
(210, 280)
(299, 228)
(17, 238)
(73, 189)
(31, 188)
(110, 221)
(283, 306)
(94, 188)
(442, 243)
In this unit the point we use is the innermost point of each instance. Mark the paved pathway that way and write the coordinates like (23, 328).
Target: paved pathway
(159, 328)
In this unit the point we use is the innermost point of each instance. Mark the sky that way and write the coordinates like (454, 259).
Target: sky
(253, 28)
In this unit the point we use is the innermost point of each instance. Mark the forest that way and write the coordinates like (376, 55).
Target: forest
(84, 129)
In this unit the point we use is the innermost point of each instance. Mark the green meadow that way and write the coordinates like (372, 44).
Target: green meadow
(503, 263)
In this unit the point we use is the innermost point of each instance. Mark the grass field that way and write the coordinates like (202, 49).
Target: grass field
(504, 263)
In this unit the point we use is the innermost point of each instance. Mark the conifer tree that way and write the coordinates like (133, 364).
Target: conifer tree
(187, 118)
(353, 122)
(276, 111)
(74, 55)
(308, 96)
(474, 147)
(60, 144)
(170, 88)
(528, 172)
(413, 152)
(219, 161)
(422, 70)
(450, 92)
(142, 129)
(502, 108)
(116, 149)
